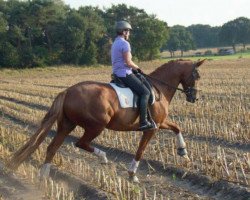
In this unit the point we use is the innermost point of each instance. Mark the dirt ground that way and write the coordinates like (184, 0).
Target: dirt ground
(14, 188)
(171, 182)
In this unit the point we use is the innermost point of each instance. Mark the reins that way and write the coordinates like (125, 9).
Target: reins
(176, 88)
(162, 82)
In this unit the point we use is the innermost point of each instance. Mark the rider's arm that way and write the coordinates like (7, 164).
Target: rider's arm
(128, 60)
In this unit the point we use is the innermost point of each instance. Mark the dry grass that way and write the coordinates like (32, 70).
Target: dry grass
(219, 121)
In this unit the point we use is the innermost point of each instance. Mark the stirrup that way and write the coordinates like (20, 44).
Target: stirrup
(150, 119)
(153, 124)
(147, 126)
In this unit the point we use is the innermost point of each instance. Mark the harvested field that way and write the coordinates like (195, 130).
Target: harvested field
(216, 130)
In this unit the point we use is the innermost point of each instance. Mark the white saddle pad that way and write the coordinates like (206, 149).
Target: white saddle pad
(125, 96)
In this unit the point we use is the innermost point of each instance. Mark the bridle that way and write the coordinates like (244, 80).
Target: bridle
(194, 76)
(189, 91)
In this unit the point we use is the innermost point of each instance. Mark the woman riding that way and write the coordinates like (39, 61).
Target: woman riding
(122, 66)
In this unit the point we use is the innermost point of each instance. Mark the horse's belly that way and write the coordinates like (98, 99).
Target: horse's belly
(124, 120)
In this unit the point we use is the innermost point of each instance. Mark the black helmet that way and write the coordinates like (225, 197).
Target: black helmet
(122, 25)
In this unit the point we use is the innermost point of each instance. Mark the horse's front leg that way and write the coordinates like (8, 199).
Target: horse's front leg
(181, 145)
(147, 135)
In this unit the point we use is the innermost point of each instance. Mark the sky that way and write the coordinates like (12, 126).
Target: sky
(181, 12)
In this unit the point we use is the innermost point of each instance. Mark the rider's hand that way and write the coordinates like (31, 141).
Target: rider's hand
(134, 71)
(140, 71)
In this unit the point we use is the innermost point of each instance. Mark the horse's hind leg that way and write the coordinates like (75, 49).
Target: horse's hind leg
(89, 135)
(64, 127)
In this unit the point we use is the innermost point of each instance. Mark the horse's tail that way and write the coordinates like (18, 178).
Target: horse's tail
(55, 113)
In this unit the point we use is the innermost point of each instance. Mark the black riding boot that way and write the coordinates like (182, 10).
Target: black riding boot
(144, 123)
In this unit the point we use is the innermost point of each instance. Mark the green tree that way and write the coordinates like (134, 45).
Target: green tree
(72, 38)
(3, 24)
(148, 37)
(228, 34)
(145, 28)
(236, 31)
(32, 25)
(204, 35)
(46, 18)
(243, 30)
(90, 54)
(8, 54)
(95, 30)
(173, 43)
(104, 46)
(122, 12)
(180, 38)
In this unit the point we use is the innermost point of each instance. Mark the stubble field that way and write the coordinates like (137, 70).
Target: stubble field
(216, 130)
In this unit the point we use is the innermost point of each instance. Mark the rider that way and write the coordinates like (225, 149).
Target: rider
(122, 66)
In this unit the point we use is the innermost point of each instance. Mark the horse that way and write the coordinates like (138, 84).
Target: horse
(94, 106)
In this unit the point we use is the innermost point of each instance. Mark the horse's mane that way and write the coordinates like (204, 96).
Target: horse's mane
(175, 61)
(169, 64)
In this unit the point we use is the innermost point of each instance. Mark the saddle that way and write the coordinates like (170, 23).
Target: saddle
(118, 82)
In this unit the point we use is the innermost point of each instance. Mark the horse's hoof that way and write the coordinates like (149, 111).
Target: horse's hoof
(182, 151)
(186, 158)
(133, 178)
(104, 160)
(45, 170)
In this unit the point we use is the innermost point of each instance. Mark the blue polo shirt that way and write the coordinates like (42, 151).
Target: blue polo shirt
(119, 66)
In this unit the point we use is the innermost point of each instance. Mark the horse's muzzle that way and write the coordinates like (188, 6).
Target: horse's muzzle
(192, 95)
(191, 100)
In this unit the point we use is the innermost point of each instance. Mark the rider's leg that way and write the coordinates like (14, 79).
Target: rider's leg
(144, 123)
(139, 88)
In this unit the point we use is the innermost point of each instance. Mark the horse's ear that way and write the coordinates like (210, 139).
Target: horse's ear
(200, 62)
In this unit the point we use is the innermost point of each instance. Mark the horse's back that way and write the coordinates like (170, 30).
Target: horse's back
(89, 89)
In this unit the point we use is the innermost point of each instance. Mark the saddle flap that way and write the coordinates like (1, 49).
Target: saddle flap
(126, 97)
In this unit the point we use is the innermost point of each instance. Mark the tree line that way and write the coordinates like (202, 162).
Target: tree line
(48, 32)
(231, 33)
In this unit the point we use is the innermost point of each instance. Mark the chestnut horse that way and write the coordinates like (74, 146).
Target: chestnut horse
(94, 106)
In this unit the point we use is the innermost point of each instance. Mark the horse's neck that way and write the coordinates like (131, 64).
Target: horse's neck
(171, 78)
